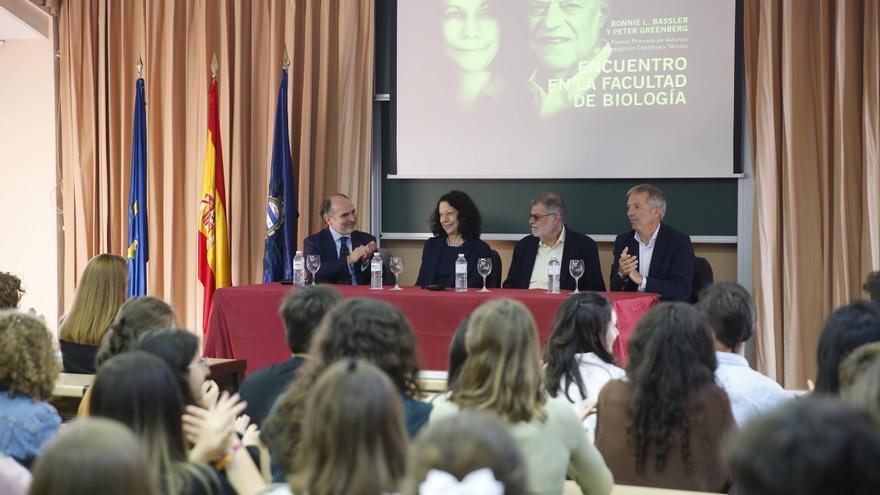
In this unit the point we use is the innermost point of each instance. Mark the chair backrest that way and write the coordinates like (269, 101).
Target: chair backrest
(703, 277)
(493, 281)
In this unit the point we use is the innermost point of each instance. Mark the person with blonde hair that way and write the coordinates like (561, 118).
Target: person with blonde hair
(100, 293)
(503, 375)
(27, 375)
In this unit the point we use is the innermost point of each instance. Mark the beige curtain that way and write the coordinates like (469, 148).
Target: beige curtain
(812, 81)
(330, 43)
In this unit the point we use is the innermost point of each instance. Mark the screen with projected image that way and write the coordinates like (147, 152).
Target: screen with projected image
(565, 88)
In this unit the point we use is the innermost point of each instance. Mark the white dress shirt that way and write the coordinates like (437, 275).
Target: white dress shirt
(595, 373)
(751, 393)
(542, 261)
(646, 252)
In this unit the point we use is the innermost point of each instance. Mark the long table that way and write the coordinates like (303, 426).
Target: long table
(244, 321)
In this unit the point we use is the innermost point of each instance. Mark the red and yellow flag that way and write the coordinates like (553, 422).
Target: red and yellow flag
(214, 260)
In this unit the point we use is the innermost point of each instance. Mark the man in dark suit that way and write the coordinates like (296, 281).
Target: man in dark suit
(653, 257)
(345, 252)
(551, 237)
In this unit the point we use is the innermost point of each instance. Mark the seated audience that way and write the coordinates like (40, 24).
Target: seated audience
(134, 318)
(353, 437)
(93, 456)
(663, 426)
(860, 379)
(502, 375)
(139, 390)
(10, 291)
(578, 354)
(101, 291)
(811, 446)
(872, 286)
(27, 376)
(301, 312)
(847, 328)
(345, 252)
(552, 237)
(368, 329)
(180, 351)
(728, 310)
(455, 223)
(471, 451)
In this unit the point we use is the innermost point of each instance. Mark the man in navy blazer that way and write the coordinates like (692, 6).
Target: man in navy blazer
(340, 237)
(551, 237)
(653, 257)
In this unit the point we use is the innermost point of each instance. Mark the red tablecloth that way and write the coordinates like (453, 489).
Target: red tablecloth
(244, 321)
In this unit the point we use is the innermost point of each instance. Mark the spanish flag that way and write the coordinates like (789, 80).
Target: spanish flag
(214, 260)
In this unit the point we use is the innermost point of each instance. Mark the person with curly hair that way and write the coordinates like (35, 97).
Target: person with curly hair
(10, 291)
(455, 223)
(368, 329)
(101, 291)
(664, 426)
(27, 376)
(502, 375)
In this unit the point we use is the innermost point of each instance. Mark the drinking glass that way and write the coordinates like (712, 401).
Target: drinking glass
(396, 265)
(576, 269)
(484, 268)
(313, 263)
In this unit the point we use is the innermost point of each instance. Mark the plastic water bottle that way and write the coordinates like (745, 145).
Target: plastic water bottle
(461, 274)
(376, 271)
(299, 269)
(553, 275)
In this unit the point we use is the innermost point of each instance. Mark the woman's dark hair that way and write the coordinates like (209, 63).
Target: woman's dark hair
(671, 356)
(177, 348)
(872, 286)
(457, 352)
(92, 456)
(812, 446)
(580, 326)
(135, 317)
(847, 328)
(469, 219)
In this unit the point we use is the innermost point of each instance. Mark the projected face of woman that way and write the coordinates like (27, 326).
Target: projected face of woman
(448, 218)
(472, 35)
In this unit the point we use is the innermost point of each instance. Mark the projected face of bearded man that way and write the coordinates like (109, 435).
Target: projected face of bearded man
(471, 33)
(564, 33)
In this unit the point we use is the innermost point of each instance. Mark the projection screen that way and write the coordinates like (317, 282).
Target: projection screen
(565, 88)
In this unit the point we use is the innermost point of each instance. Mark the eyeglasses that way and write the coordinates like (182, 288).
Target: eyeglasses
(538, 217)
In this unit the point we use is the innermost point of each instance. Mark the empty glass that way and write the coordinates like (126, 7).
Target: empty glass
(313, 263)
(484, 268)
(576, 269)
(396, 265)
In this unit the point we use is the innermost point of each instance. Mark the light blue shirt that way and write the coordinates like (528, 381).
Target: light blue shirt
(338, 242)
(25, 426)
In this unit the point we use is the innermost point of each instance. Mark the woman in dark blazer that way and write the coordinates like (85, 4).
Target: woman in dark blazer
(455, 223)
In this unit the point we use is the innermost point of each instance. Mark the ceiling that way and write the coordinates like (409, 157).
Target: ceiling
(12, 28)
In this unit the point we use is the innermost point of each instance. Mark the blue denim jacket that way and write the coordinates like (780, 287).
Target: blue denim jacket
(25, 426)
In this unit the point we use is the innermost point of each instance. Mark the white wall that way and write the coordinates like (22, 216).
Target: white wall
(28, 217)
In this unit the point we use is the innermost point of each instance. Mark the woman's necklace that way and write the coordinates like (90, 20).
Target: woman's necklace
(455, 244)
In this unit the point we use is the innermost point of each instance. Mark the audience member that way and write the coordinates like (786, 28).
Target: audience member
(860, 379)
(663, 426)
(456, 224)
(847, 328)
(457, 352)
(578, 353)
(472, 450)
(812, 446)
(180, 351)
(872, 285)
(101, 291)
(368, 329)
(10, 291)
(502, 375)
(93, 456)
(353, 437)
(134, 318)
(345, 252)
(301, 313)
(728, 310)
(27, 376)
(15, 479)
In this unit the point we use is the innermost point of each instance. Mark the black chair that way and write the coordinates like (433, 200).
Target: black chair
(703, 277)
(493, 281)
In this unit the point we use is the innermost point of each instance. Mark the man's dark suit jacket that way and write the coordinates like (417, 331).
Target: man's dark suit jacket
(671, 273)
(577, 246)
(333, 268)
(474, 249)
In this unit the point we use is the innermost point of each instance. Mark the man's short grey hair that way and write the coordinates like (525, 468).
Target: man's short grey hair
(553, 202)
(327, 204)
(655, 196)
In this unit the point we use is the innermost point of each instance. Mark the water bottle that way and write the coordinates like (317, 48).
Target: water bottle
(376, 271)
(461, 274)
(299, 269)
(553, 275)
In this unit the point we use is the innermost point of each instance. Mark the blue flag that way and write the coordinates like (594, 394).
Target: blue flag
(282, 211)
(138, 240)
